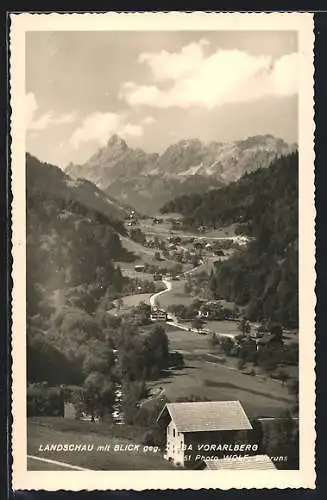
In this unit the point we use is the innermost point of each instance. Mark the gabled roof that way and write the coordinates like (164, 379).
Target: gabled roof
(207, 416)
(258, 462)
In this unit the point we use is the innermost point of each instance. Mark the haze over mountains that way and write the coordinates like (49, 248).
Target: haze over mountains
(147, 181)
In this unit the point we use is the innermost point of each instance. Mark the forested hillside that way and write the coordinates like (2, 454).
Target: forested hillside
(149, 192)
(71, 272)
(53, 181)
(264, 276)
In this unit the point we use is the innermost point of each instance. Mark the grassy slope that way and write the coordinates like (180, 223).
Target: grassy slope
(134, 300)
(42, 431)
(175, 296)
(259, 397)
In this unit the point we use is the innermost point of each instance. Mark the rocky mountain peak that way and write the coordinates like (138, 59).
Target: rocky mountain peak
(121, 170)
(116, 141)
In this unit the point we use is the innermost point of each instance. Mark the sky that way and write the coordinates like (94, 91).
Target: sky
(156, 88)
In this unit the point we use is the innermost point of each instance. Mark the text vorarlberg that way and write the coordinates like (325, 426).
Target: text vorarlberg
(89, 447)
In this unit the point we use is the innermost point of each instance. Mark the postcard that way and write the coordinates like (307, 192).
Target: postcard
(163, 250)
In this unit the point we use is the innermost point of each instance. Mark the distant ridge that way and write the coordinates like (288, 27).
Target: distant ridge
(147, 181)
(52, 180)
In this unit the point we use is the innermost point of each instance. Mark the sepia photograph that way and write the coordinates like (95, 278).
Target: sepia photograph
(162, 302)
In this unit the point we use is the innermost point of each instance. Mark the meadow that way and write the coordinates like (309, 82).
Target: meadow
(51, 430)
(205, 375)
(175, 296)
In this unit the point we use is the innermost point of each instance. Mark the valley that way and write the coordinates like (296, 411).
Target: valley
(138, 310)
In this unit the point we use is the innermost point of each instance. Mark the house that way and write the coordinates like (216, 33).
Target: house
(158, 315)
(69, 410)
(211, 310)
(139, 268)
(195, 430)
(255, 462)
(263, 341)
(255, 334)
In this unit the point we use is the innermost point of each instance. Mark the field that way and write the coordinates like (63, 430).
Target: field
(260, 396)
(51, 430)
(185, 341)
(129, 271)
(164, 229)
(175, 296)
(220, 383)
(134, 300)
(223, 327)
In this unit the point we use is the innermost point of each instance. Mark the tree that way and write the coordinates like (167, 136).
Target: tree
(291, 354)
(240, 364)
(247, 350)
(165, 254)
(98, 358)
(156, 351)
(157, 255)
(143, 311)
(213, 340)
(244, 326)
(178, 310)
(283, 376)
(276, 332)
(44, 400)
(213, 284)
(227, 345)
(269, 357)
(98, 394)
(188, 287)
(119, 304)
(293, 387)
(133, 392)
(137, 235)
(46, 363)
(281, 438)
(197, 323)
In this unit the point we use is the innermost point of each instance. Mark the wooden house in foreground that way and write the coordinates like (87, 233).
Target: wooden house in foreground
(198, 430)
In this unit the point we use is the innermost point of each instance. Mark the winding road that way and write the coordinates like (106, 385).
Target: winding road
(154, 297)
(172, 319)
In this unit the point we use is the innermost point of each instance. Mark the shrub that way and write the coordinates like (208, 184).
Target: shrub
(240, 364)
(44, 401)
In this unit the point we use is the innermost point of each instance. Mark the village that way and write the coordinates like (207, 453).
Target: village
(216, 355)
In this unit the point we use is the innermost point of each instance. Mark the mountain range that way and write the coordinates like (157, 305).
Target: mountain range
(146, 181)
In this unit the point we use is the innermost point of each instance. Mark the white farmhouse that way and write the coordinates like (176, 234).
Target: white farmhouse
(199, 428)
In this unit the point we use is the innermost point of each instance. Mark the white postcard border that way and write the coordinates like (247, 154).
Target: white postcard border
(140, 480)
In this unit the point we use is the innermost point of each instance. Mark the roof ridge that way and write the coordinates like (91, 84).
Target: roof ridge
(193, 416)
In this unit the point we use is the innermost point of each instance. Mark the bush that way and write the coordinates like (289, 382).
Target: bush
(227, 345)
(44, 401)
(213, 340)
(240, 364)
